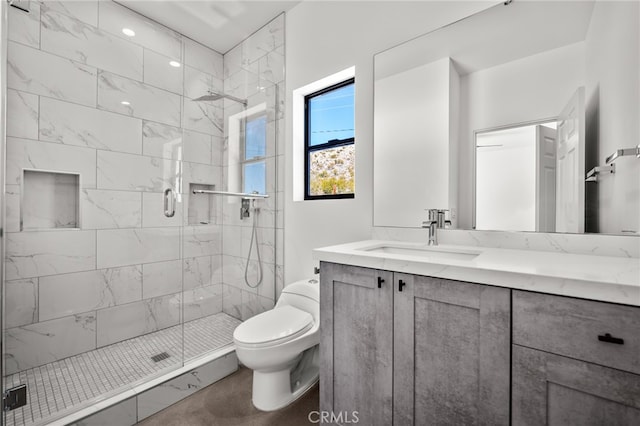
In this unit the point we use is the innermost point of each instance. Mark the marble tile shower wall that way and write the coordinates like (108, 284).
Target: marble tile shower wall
(128, 270)
(254, 70)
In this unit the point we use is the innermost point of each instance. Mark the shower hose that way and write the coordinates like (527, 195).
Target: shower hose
(254, 240)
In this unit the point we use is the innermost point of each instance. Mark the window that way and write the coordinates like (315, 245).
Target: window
(253, 155)
(330, 143)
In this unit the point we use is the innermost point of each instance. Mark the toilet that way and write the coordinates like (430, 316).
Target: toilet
(281, 346)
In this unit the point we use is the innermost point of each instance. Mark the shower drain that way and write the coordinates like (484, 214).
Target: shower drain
(160, 356)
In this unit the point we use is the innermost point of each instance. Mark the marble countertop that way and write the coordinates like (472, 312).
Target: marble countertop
(603, 278)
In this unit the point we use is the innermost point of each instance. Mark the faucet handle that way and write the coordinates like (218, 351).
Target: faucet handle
(433, 214)
(437, 216)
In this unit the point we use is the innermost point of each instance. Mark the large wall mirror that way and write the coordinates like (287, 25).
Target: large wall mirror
(523, 117)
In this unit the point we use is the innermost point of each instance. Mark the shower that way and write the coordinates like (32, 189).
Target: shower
(142, 280)
(214, 96)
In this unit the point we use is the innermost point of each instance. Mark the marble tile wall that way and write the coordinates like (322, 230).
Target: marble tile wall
(128, 270)
(254, 70)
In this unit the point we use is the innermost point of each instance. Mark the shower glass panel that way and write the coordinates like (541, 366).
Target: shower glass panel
(249, 239)
(121, 273)
(93, 289)
(252, 249)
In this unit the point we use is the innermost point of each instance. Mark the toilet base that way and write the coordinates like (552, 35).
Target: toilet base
(276, 389)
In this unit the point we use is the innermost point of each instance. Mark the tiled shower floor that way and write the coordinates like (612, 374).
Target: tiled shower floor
(61, 385)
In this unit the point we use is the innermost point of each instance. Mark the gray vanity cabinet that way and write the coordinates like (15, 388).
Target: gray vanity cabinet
(451, 352)
(575, 362)
(404, 349)
(414, 351)
(356, 353)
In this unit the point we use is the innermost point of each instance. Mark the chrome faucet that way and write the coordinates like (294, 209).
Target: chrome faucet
(436, 220)
(432, 224)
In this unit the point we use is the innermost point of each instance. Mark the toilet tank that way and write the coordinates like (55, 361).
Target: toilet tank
(304, 295)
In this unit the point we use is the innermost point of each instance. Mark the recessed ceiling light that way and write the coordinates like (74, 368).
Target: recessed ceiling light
(125, 103)
(128, 32)
(174, 64)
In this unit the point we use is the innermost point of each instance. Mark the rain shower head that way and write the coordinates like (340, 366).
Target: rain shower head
(214, 96)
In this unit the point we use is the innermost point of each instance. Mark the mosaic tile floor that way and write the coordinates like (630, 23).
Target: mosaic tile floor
(71, 382)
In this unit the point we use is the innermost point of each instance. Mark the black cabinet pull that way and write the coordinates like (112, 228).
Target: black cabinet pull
(380, 281)
(401, 284)
(610, 339)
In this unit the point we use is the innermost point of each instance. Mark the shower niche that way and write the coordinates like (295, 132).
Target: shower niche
(201, 207)
(50, 200)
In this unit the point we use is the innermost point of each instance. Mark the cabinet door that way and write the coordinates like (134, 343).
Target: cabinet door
(356, 343)
(451, 352)
(551, 389)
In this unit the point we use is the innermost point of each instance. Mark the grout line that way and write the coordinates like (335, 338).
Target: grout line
(96, 331)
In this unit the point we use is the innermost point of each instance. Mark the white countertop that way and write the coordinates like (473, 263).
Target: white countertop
(603, 278)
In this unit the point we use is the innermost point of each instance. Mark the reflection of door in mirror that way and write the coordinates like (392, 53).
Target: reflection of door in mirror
(546, 164)
(519, 195)
(571, 173)
(539, 184)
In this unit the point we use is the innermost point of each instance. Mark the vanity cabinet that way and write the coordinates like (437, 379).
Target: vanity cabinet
(404, 349)
(411, 350)
(575, 362)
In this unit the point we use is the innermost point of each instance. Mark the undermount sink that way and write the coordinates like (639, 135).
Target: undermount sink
(423, 251)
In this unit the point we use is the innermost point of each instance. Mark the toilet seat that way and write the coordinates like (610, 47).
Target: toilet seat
(273, 327)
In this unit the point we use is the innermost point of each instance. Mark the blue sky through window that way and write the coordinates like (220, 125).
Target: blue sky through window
(255, 137)
(331, 115)
(255, 147)
(254, 177)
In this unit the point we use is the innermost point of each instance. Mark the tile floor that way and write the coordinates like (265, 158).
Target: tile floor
(69, 384)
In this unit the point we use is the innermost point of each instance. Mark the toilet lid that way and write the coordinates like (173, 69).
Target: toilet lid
(279, 324)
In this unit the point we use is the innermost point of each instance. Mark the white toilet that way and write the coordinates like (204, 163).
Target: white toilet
(281, 346)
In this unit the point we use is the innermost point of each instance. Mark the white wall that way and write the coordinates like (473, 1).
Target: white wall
(412, 110)
(323, 38)
(612, 93)
(532, 88)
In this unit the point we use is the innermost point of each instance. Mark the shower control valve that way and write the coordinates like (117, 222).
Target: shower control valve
(245, 208)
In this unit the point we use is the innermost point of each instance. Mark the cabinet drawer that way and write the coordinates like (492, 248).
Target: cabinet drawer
(571, 327)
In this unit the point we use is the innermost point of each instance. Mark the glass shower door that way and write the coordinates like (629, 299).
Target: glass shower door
(93, 286)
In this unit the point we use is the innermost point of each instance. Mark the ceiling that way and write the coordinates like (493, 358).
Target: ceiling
(218, 24)
(494, 36)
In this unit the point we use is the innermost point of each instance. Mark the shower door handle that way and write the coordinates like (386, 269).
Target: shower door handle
(169, 199)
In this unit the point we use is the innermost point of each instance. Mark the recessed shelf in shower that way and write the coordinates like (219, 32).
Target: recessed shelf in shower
(202, 210)
(50, 200)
